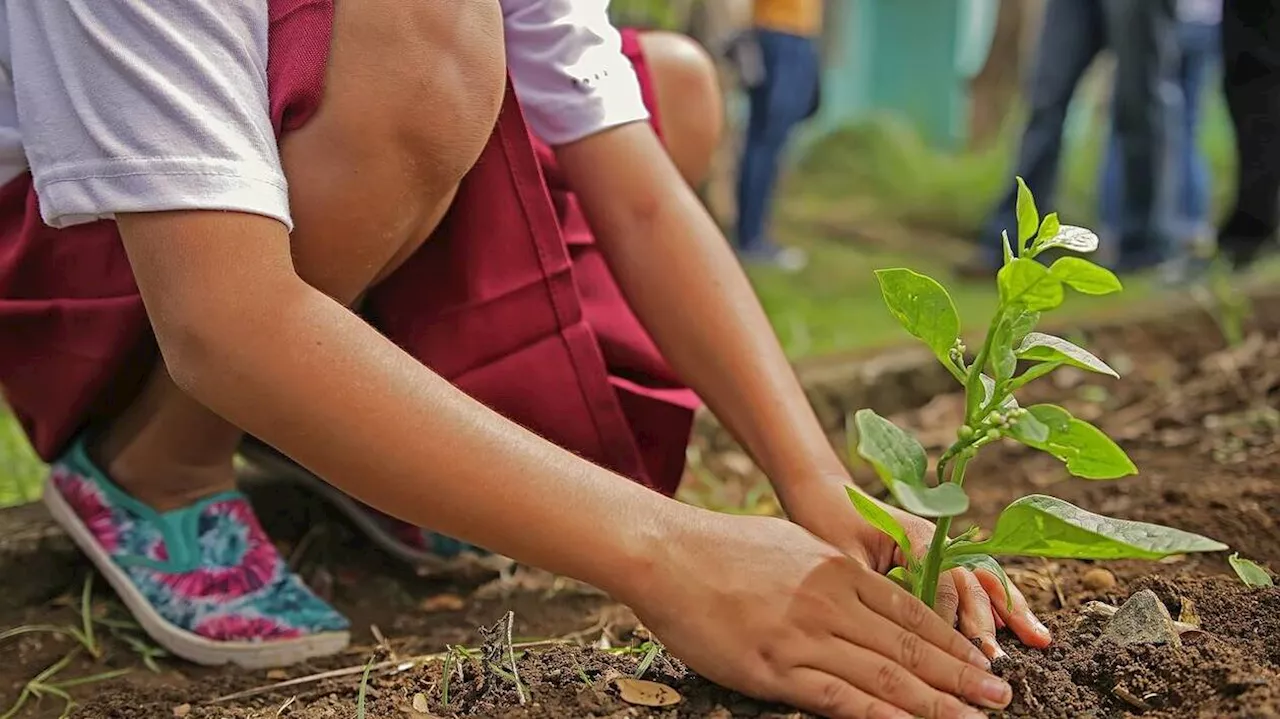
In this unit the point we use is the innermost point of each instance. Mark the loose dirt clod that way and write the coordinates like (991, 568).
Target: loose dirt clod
(1142, 620)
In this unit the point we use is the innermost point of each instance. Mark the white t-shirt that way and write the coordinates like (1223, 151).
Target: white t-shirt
(136, 106)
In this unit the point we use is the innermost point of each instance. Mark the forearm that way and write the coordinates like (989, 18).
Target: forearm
(685, 285)
(312, 379)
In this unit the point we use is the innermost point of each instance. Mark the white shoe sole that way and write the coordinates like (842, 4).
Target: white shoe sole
(178, 641)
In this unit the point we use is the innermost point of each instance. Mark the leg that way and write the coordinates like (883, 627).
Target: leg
(362, 199)
(1251, 64)
(1070, 38)
(1199, 56)
(777, 106)
(689, 100)
(1143, 35)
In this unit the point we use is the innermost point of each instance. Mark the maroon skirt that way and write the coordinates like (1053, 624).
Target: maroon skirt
(510, 300)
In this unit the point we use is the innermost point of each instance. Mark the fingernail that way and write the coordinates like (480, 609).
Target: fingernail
(996, 691)
(978, 659)
(993, 648)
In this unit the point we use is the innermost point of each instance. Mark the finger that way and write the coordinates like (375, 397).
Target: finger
(885, 679)
(976, 618)
(828, 695)
(947, 603)
(924, 662)
(1020, 620)
(887, 599)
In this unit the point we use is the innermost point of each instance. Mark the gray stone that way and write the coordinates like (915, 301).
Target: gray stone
(1142, 620)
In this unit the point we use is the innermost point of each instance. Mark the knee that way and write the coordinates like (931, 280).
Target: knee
(412, 93)
(418, 81)
(689, 100)
(442, 74)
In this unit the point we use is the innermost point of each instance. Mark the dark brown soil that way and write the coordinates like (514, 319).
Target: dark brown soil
(1199, 421)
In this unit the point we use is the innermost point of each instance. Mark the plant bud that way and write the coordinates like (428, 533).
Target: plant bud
(993, 434)
(965, 433)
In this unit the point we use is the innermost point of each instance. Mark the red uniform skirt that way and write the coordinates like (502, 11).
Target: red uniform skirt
(511, 301)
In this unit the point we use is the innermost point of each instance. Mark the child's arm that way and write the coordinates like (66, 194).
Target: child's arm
(758, 604)
(686, 286)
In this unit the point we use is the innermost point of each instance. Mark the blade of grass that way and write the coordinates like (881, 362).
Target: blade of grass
(364, 686)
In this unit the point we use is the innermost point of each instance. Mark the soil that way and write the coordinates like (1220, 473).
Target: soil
(1199, 420)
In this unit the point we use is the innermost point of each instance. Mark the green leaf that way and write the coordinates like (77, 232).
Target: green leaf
(900, 462)
(1068, 237)
(1029, 430)
(1028, 216)
(880, 519)
(1087, 452)
(1250, 572)
(1042, 526)
(1084, 276)
(1008, 251)
(922, 307)
(1027, 284)
(1041, 347)
(988, 388)
(1049, 228)
(1013, 326)
(895, 455)
(986, 563)
(1034, 372)
(944, 500)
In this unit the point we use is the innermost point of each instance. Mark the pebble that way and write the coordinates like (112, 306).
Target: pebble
(1142, 620)
(1098, 579)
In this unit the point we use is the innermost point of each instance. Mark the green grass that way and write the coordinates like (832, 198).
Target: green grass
(20, 470)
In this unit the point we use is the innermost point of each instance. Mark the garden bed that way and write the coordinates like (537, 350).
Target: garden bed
(1197, 418)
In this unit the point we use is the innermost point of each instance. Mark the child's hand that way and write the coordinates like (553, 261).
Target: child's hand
(764, 607)
(973, 601)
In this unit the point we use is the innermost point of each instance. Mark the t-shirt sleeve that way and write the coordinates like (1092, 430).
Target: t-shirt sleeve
(566, 62)
(139, 106)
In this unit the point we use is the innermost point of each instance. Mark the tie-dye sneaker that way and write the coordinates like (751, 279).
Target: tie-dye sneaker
(204, 581)
(416, 546)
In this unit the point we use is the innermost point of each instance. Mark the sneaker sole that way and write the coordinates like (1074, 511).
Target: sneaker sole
(276, 465)
(175, 639)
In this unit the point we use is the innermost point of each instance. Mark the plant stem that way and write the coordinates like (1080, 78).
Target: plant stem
(933, 560)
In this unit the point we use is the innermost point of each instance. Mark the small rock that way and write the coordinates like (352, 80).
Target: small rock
(277, 675)
(1098, 579)
(181, 710)
(1142, 620)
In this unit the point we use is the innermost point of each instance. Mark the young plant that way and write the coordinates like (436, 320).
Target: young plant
(1035, 525)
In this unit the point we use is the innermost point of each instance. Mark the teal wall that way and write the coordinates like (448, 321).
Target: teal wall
(911, 58)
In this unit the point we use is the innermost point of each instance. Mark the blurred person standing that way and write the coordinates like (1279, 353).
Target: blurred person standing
(1199, 53)
(779, 62)
(1251, 81)
(1142, 34)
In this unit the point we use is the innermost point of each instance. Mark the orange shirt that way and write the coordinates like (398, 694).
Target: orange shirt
(798, 17)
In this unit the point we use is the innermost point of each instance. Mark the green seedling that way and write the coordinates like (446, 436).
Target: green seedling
(1035, 525)
(1250, 572)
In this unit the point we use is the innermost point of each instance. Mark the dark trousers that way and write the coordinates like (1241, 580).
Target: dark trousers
(1251, 66)
(785, 96)
(1143, 36)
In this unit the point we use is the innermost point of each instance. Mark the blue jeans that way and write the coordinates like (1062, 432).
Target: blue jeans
(1200, 51)
(783, 99)
(1143, 35)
